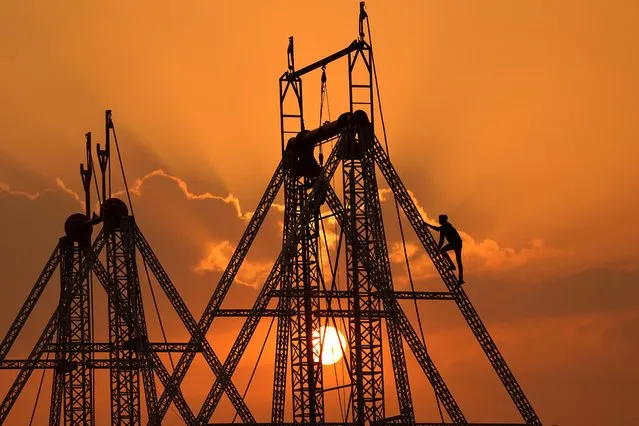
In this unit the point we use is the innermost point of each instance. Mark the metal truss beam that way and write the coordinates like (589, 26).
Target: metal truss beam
(306, 374)
(448, 277)
(398, 359)
(29, 304)
(346, 294)
(125, 384)
(378, 423)
(272, 280)
(398, 317)
(189, 321)
(75, 328)
(148, 357)
(47, 334)
(108, 347)
(222, 289)
(95, 364)
(365, 334)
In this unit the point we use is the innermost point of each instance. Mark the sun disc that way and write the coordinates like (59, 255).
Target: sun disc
(331, 350)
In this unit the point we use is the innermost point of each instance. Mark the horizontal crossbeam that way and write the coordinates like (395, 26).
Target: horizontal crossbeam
(355, 45)
(345, 294)
(285, 313)
(379, 423)
(17, 364)
(108, 347)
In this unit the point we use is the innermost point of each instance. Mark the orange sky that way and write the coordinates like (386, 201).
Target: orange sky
(515, 118)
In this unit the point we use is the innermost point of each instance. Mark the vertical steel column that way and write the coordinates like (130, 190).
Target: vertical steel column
(373, 207)
(360, 81)
(78, 407)
(125, 382)
(61, 356)
(291, 123)
(306, 366)
(291, 118)
(365, 331)
(138, 320)
(365, 335)
(284, 304)
(302, 278)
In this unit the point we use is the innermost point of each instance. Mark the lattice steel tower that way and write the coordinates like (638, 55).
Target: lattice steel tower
(133, 362)
(297, 282)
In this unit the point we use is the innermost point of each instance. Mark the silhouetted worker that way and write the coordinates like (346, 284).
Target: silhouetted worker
(448, 231)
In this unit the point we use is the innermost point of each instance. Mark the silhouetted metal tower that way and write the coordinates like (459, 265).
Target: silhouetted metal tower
(73, 379)
(69, 332)
(296, 280)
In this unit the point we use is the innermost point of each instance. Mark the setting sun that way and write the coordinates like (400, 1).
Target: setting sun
(333, 340)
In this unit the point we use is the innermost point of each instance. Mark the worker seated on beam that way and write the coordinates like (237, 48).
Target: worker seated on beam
(448, 231)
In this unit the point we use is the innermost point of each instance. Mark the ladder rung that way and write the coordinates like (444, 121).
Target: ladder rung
(361, 103)
(291, 115)
(361, 86)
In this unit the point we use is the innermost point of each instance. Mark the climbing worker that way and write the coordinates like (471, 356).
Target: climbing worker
(446, 230)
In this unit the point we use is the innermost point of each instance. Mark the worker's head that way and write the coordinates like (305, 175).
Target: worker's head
(443, 219)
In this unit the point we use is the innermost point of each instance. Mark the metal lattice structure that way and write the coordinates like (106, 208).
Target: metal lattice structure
(343, 189)
(297, 282)
(133, 362)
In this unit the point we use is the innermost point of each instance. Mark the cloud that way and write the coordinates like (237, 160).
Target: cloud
(396, 251)
(484, 255)
(62, 186)
(59, 185)
(386, 194)
(229, 199)
(495, 257)
(251, 274)
(182, 185)
(6, 189)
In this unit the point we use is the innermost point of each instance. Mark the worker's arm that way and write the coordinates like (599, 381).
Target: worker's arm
(441, 242)
(436, 228)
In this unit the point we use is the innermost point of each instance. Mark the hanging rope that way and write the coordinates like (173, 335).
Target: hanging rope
(323, 96)
(328, 303)
(91, 337)
(334, 273)
(95, 179)
(399, 219)
(339, 394)
(259, 356)
(35, 405)
(126, 186)
(157, 310)
(325, 102)
(128, 196)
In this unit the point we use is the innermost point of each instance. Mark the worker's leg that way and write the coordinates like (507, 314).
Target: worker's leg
(458, 257)
(444, 251)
